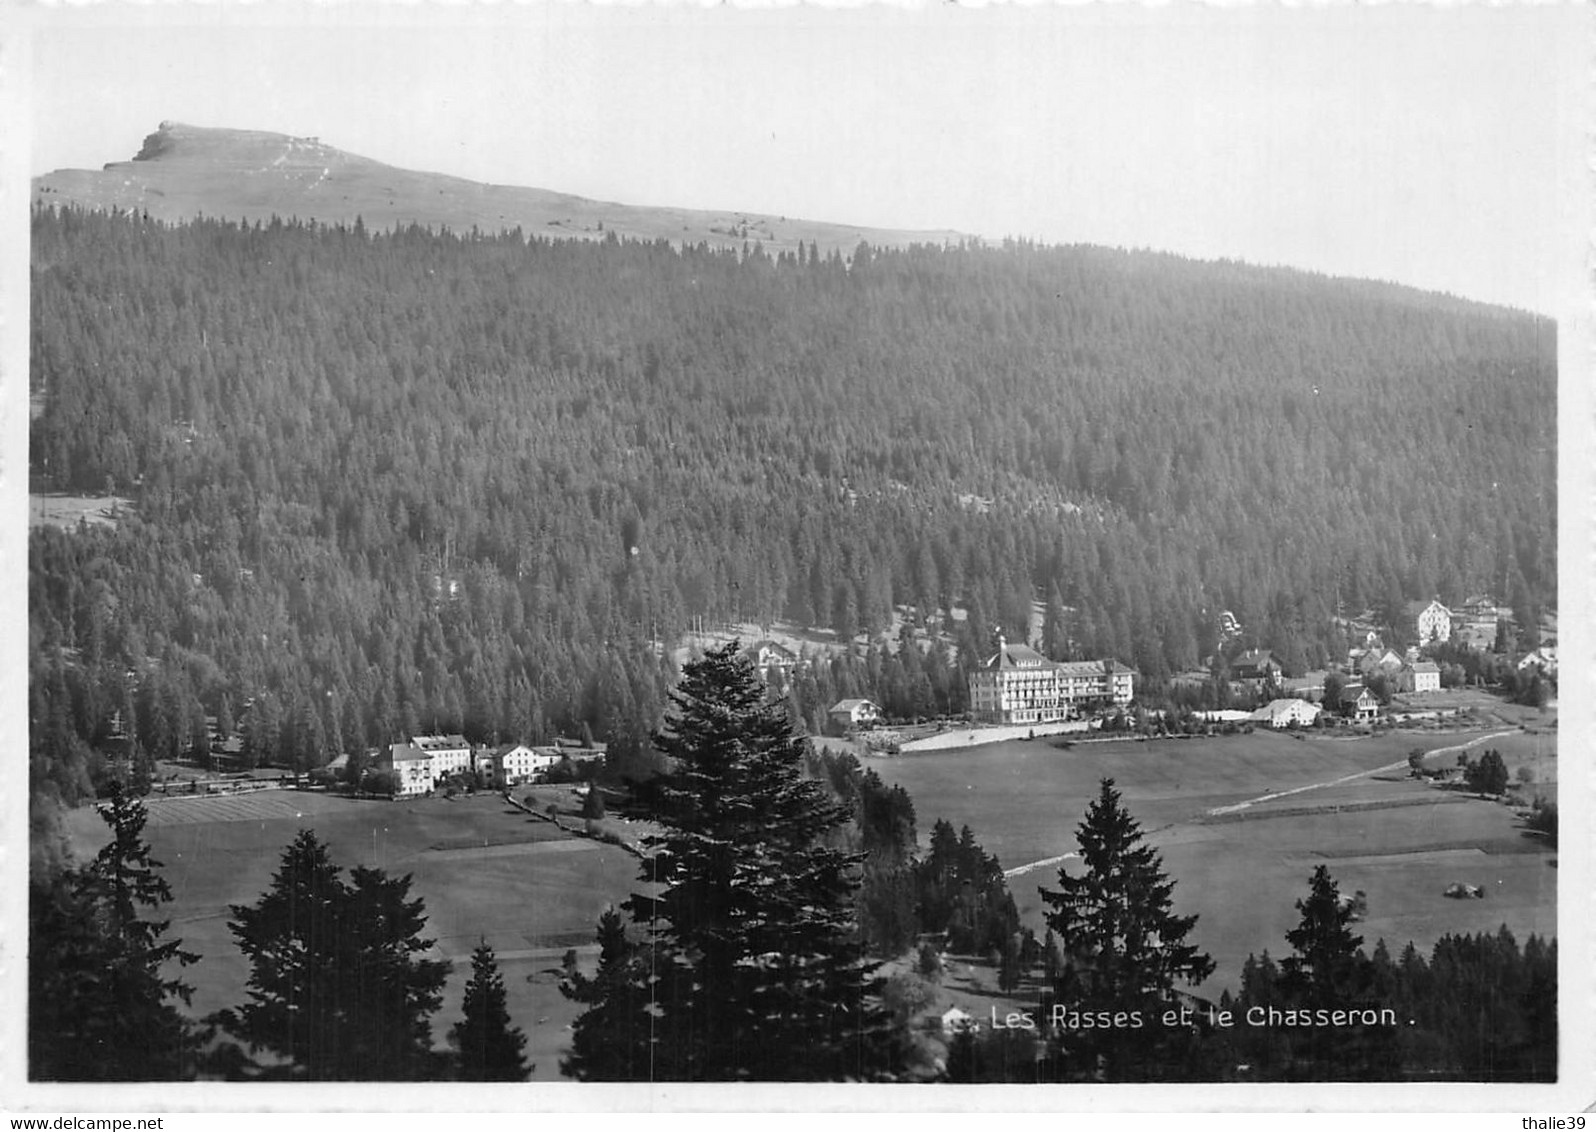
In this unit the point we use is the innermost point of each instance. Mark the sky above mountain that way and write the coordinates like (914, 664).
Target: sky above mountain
(1415, 143)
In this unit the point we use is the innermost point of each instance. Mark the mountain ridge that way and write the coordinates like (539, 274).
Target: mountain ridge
(183, 171)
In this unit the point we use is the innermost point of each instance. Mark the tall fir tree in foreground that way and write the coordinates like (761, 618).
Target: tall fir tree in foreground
(337, 988)
(487, 1046)
(749, 962)
(102, 1000)
(611, 1039)
(1327, 970)
(1323, 967)
(1125, 951)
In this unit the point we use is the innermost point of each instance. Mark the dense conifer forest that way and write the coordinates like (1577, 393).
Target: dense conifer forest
(388, 482)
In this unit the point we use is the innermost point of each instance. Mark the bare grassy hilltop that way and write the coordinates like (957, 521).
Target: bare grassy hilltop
(185, 171)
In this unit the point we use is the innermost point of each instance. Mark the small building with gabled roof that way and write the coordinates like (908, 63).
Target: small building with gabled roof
(1358, 703)
(854, 713)
(1426, 676)
(772, 654)
(1256, 664)
(1283, 713)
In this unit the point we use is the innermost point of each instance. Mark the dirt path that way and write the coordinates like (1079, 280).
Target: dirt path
(1236, 807)
(1354, 777)
(1010, 874)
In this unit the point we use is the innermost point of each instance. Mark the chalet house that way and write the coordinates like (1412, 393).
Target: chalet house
(1256, 665)
(1543, 659)
(1387, 661)
(1476, 622)
(769, 654)
(1358, 703)
(1282, 713)
(854, 713)
(1426, 676)
(1428, 621)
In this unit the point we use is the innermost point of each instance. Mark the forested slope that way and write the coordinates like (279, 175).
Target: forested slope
(388, 481)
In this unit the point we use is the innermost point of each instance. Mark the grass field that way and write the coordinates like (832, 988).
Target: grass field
(489, 871)
(484, 869)
(1399, 840)
(56, 509)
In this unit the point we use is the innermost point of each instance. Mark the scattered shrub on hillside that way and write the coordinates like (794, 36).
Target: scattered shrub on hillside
(1543, 817)
(1489, 775)
(905, 995)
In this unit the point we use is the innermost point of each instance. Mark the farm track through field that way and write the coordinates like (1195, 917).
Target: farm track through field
(1219, 810)
(512, 849)
(1236, 811)
(1402, 858)
(1224, 814)
(1010, 874)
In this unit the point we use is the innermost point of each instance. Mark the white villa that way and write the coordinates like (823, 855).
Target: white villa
(1429, 621)
(514, 763)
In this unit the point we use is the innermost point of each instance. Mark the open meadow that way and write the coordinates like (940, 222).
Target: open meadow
(1284, 806)
(1241, 822)
(485, 870)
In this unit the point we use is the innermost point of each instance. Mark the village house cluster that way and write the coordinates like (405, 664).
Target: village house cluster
(420, 764)
(1298, 700)
(1017, 685)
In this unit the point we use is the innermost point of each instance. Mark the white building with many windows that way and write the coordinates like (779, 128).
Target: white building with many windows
(1428, 621)
(411, 768)
(450, 754)
(1426, 676)
(515, 763)
(1020, 685)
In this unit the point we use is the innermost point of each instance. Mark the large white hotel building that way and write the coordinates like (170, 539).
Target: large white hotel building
(1020, 685)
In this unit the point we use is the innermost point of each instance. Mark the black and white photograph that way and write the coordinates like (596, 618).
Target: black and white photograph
(678, 557)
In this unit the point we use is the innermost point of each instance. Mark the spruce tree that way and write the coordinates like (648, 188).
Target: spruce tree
(102, 1002)
(1489, 775)
(1323, 968)
(750, 961)
(336, 991)
(487, 1046)
(612, 1039)
(1125, 949)
(1327, 971)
